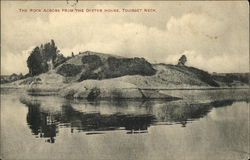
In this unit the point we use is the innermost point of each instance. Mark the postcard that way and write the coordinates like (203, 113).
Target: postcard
(124, 80)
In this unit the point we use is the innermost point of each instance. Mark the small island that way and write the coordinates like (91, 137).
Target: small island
(92, 75)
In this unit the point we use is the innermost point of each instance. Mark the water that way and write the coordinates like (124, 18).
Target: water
(49, 127)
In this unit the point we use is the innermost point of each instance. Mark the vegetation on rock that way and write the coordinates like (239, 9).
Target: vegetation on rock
(98, 66)
(69, 70)
(129, 66)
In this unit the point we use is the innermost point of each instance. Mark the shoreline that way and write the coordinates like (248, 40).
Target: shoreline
(166, 94)
(15, 86)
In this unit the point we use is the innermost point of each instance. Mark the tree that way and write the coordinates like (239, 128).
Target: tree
(182, 60)
(35, 62)
(39, 59)
(49, 51)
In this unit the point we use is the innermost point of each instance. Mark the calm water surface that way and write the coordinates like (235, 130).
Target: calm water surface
(49, 127)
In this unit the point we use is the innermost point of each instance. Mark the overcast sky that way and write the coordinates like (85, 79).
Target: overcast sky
(213, 35)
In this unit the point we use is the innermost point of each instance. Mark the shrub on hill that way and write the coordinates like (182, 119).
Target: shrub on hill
(69, 70)
(92, 61)
(129, 66)
(95, 68)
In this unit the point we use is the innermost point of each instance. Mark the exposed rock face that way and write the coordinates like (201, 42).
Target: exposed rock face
(109, 89)
(95, 67)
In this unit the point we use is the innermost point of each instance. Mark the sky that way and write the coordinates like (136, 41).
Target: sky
(214, 35)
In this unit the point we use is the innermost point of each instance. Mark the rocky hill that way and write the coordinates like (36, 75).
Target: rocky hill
(91, 65)
(138, 71)
(94, 75)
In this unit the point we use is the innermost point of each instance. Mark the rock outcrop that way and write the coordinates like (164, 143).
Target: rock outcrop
(109, 89)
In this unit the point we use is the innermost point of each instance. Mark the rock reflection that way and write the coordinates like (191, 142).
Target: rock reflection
(103, 122)
(96, 118)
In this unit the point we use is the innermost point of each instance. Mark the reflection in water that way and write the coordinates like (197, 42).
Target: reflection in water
(42, 124)
(97, 117)
(99, 122)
